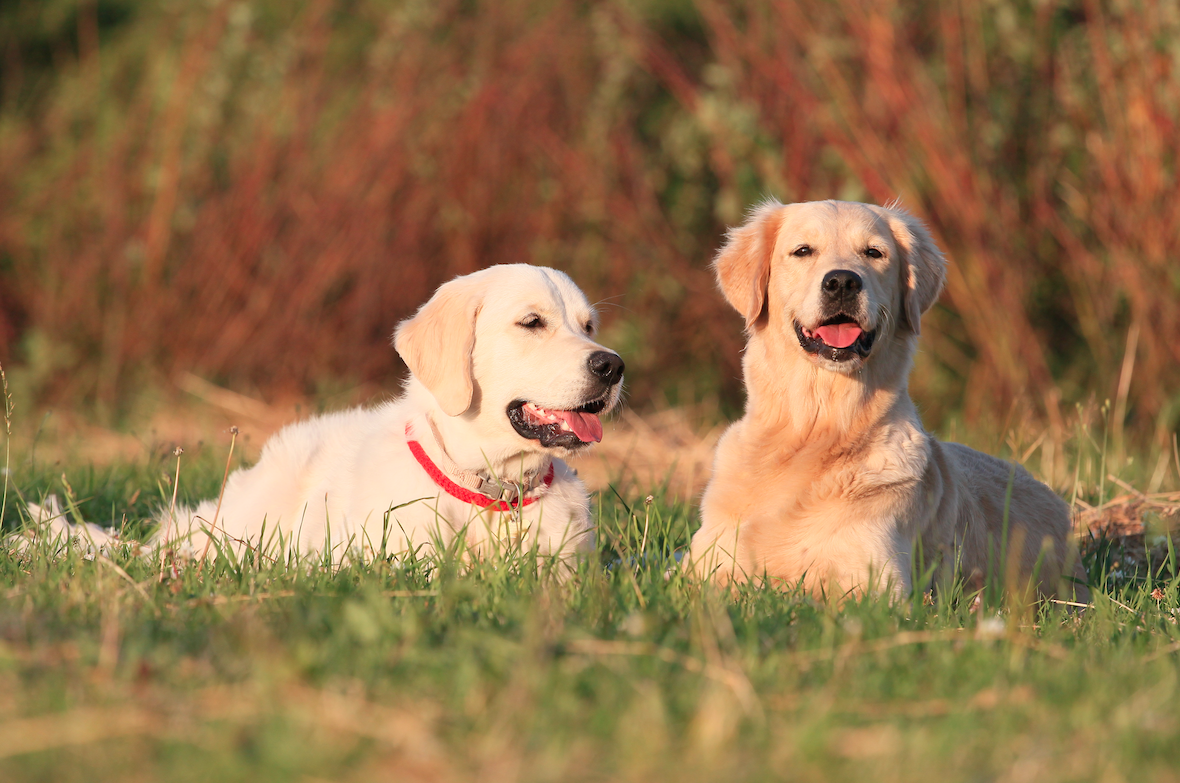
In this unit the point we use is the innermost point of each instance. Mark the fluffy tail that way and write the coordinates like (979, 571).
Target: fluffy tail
(49, 522)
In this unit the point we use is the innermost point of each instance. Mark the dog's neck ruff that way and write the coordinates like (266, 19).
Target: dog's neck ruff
(471, 487)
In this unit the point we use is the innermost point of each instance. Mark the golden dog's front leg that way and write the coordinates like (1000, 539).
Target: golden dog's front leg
(715, 553)
(719, 549)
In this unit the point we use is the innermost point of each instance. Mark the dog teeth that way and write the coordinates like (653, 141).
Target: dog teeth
(539, 413)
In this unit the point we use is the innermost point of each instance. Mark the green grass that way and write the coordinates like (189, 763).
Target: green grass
(437, 671)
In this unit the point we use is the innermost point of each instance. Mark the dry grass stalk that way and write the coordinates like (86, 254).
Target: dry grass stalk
(7, 441)
(170, 524)
(221, 494)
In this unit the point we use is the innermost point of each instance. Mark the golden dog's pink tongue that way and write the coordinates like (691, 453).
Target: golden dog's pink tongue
(585, 425)
(839, 335)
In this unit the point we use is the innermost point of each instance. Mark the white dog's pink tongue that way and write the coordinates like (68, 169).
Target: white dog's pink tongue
(839, 335)
(585, 425)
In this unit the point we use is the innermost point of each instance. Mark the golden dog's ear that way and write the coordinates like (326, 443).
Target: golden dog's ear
(436, 343)
(925, 266)
(742, 264)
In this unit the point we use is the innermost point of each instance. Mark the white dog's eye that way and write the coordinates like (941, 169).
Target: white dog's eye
(532, 321)
(801, 251)
(873, 252)
(589, 327)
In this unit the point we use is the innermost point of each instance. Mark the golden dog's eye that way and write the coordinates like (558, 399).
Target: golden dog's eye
(802, 251)
(873, 252)
(532, 321)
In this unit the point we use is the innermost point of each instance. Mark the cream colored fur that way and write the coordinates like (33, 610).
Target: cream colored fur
(829, 479)
(346, 483)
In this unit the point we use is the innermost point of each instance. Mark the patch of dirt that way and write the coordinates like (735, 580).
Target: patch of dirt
(670, 448)
(1130, 532)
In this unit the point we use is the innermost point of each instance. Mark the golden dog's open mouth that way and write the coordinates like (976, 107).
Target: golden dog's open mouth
(557, 428)
(839, 339)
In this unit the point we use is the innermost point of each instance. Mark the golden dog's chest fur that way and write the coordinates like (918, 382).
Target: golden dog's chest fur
(829, 480)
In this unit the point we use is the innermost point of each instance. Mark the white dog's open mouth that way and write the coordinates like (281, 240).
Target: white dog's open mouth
(839, 338)
(552, 427)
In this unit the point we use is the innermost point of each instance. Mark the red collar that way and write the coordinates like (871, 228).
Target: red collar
(462, 493)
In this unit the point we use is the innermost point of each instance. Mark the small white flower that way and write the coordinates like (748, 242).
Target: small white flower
(991, 628)
(634, 625)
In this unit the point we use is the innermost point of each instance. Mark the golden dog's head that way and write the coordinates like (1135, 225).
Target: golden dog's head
(845, 278)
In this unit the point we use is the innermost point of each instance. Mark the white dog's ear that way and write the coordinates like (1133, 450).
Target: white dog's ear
(925, 266)
(742, 264)
(436, 343)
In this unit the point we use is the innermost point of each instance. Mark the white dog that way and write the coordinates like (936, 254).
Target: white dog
(505, 379)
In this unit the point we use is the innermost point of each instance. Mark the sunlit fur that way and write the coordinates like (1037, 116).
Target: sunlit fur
(829, 478)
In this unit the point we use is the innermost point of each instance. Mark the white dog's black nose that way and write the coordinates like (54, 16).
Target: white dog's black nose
(607, 366)
(840, 283)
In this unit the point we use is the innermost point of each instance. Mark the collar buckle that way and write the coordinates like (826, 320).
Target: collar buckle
(509, 493)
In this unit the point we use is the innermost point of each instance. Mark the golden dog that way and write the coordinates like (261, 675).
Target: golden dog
(829, 478)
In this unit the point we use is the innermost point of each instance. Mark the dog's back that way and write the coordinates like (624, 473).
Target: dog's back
(996, 521)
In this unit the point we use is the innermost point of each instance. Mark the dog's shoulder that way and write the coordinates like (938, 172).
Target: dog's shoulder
(899, 449)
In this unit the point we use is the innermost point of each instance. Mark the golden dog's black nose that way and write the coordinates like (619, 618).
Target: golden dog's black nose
(841, 282)
(607, 366)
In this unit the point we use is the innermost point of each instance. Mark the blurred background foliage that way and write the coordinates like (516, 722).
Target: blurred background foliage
(257, 191)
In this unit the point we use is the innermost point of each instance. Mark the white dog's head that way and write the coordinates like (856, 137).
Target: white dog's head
(512, 347)
(846, 277)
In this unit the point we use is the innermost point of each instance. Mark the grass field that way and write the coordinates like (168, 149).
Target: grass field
(236, 200)
(431, 671)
